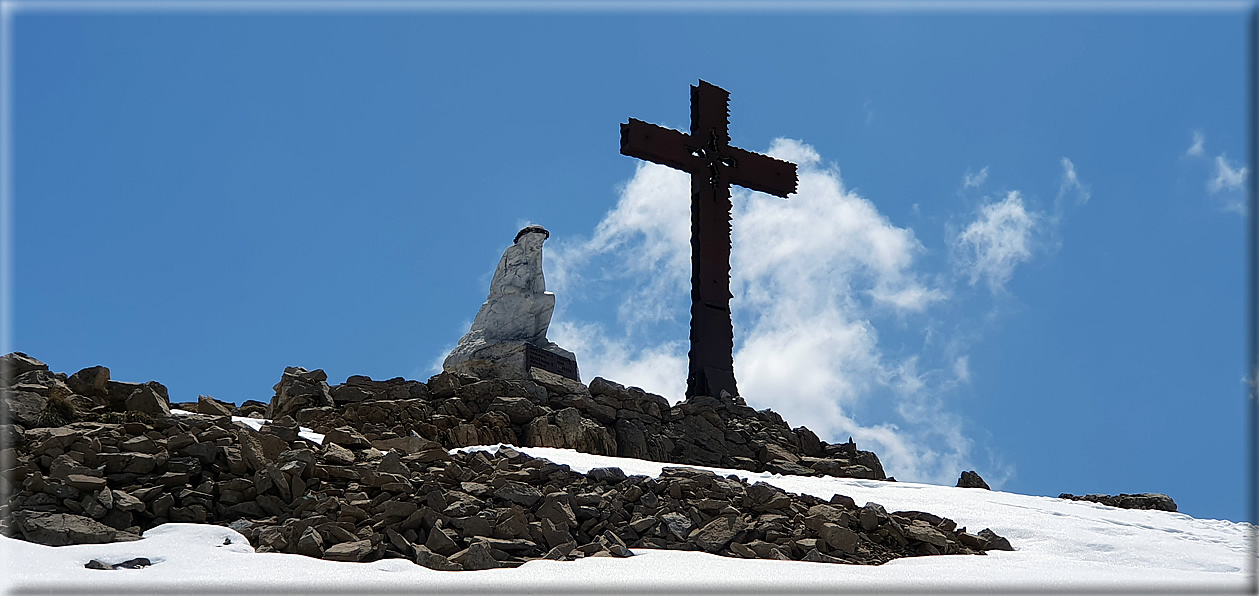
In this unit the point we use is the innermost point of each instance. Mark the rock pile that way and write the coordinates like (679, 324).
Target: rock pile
(370, 491)
(1158, 501)
(551, 411)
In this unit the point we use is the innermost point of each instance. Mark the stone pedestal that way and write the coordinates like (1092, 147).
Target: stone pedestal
(508, 359)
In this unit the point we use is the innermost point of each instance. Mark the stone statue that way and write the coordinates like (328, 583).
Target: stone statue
(508, 335)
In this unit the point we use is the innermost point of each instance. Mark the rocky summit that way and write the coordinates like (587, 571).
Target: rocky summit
(91, 460)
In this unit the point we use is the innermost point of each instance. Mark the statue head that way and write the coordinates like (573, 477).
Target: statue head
(532, 230)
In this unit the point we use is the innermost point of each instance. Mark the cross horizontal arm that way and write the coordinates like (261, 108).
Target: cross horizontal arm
(658, 144)
(761, 172)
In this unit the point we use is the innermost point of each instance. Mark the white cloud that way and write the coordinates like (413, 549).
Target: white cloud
(1228, 176)
(975, 180)
(659, 369)
(961, 369)
(809, 274)
(1197, 149)
(1071, 183)
(996, 242)
(649, 234)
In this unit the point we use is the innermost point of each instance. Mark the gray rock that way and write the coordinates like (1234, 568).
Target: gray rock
(251, 448)
(297, 389)
(346, 436)
(443, 385)
(809, 442)
(23, 407)
(337, 455)
(213, 407)
(391, 463)
(556, 384)
(407, 445)
(554, 534)
(124, 501)
(90, 381)
(971, 479)
(16, 364)
(441, 543)
(349, 551)
(717, 533)
(434, 561)
(556, 508)
(569, 420)
(630, 440)
(679, 525)
(838, 537)
(608, 475)
(971, 540)
(560, 552)
(136, 563)
(520, 410)
(766, 497)
(824, 514)
(476, 557)
(923, 532)
(98, 564)
(311, 543)
(84, 482)
(348, 394)
(993, 541)
(273, 537)
(518, 492)
(773, 452)
(61, 529)
(400, 509)
(149, 398)
(540, 433)
(614, 544)
(871, 515)
(1157, 501)
(283, 428)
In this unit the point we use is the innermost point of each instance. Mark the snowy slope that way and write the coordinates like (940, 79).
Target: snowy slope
(1060, 545)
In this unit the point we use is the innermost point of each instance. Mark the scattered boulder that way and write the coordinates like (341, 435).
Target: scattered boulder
(971, 479)
(993, 541)
(136, 563)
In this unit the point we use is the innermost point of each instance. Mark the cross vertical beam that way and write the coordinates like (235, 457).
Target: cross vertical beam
(714, 165)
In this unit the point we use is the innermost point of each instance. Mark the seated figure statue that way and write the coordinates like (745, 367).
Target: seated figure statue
(509, 331)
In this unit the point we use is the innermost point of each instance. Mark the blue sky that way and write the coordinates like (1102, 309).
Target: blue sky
(1018, 246)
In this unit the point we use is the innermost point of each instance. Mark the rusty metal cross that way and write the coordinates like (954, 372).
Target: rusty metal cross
(714, 165)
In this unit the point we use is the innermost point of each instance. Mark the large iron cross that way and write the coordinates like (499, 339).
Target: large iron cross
(714, 165)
